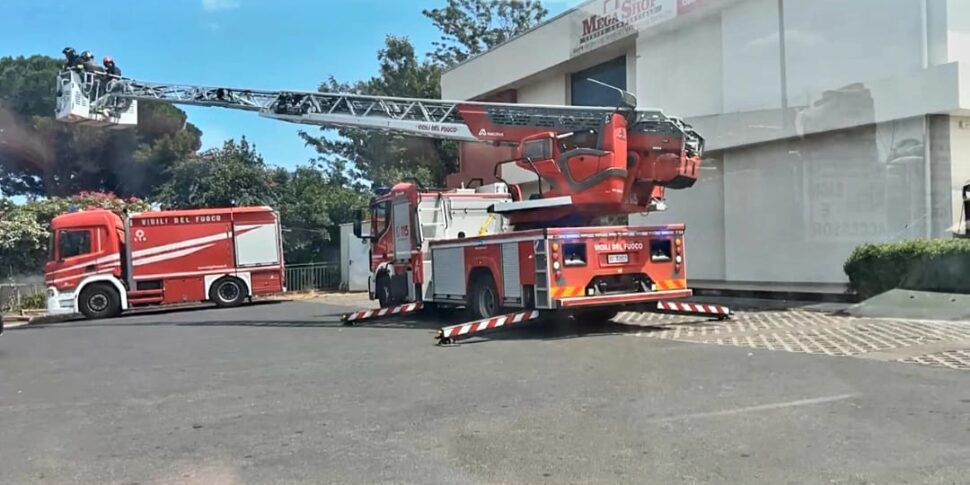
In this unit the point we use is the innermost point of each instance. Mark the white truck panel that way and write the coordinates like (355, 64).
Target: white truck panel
(257, 245)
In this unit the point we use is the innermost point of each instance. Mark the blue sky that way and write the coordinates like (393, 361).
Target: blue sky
(268, 44)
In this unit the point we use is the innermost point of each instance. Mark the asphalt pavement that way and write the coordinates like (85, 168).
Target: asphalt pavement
(282, 393)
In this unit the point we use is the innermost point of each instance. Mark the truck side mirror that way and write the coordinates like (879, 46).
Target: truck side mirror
(359, 225)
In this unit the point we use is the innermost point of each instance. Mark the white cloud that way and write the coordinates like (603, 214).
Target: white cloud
(213, 26)
(216, 5)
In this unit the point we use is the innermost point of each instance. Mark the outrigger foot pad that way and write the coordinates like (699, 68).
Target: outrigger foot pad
(353, 318)
(448, 335)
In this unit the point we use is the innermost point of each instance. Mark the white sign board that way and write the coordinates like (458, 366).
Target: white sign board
(600, 22)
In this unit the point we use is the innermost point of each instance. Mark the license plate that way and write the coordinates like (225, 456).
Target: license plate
(617, 258)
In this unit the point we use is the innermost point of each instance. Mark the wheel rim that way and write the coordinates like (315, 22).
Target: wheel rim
(98, 302)
(228, 291)
(486, 302)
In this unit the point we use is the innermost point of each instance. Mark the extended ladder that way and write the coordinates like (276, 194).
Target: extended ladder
(432, 118)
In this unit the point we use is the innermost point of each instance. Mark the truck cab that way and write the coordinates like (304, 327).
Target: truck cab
(404, 219)
(85, 247)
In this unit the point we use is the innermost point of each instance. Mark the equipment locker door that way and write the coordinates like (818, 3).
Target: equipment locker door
(257, 244)
(403, 232)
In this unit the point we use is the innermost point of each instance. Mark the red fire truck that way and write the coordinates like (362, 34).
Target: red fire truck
(102, 264)
(533, 241)
(424, 237)
(517, 245)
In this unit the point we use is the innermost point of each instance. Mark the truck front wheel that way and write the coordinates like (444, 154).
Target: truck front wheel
(99, 301)
(383, 290)
(228, 292)
(483, 300)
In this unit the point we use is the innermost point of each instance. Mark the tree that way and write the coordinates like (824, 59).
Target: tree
(314, 200)
(470, 27)
(40, 156)
(25, 228)
(385, 158)
(231, 176)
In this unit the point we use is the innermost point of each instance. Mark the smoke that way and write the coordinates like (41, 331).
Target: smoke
(21, 147)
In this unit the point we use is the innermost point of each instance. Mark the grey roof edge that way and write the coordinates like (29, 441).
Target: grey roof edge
(513, 38)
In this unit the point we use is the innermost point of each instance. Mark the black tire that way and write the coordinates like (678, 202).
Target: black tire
(483, 300)
(383, 291)
(228, 292)
(99, 301)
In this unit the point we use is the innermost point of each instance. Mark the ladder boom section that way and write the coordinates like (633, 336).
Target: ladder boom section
(503, 123)
(421, 117)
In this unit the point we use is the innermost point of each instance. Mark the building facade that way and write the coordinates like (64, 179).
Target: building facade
(829, 123)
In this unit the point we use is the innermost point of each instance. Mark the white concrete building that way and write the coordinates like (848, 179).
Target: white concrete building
(829, 123)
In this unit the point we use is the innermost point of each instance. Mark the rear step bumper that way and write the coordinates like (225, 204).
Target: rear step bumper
(621, 299)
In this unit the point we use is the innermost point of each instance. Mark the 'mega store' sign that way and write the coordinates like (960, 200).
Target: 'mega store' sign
(600, 22)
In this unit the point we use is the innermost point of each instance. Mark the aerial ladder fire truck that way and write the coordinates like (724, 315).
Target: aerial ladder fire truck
(526, 246)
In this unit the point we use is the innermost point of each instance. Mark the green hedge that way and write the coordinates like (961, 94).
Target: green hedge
(927, 265)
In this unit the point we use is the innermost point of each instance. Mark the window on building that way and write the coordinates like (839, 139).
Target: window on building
(73, 243)
(585, 93)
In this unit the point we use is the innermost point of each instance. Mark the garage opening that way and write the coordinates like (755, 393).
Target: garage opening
(585, 93)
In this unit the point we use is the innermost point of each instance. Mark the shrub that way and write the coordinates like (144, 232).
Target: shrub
(927, 265)
(29, 301)
(35, 301)
(25, 228)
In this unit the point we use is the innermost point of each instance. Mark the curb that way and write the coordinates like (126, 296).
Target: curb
(14, 321)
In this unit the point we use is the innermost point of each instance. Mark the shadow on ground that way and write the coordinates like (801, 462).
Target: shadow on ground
(548, 328)
(78, 321)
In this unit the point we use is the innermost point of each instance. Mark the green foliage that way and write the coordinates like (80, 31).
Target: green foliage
(313, 203)
(312, 200)
(386, 158)
(231, 176)
(25, 228)
(468, 27)
(33, 301)
(27, 84)
(927, 265)
(42, 157)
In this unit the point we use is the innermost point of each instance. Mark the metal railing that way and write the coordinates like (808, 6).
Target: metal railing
(313, 276)
(26, 295)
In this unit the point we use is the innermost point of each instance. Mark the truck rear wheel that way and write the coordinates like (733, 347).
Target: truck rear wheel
(483, 301)
(228, 292)
(99, 301)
